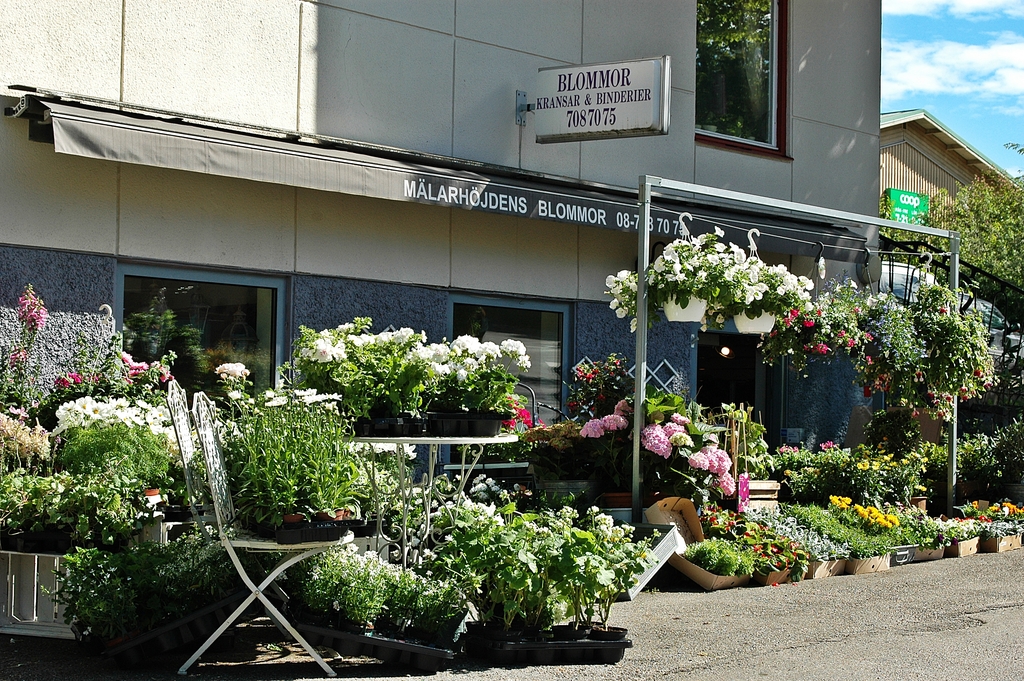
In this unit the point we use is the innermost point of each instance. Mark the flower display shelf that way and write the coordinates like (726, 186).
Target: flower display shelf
(26, 606)
(959, 549)
(409, 541)
(863, 566)
(820, 569)
(999, 544)
(388, 650)
(191, 629)
(586, 651)
(902, 555)
(922, 555)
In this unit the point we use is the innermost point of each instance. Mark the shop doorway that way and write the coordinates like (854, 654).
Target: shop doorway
(729, 370)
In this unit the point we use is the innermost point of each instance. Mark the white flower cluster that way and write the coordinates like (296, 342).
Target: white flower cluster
(231, 370)
(468, 355)
(87, 412)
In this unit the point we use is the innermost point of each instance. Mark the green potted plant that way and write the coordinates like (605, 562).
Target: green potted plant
(767, 293)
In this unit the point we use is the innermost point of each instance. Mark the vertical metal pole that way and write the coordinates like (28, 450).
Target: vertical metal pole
(954, 283)
(640, 373)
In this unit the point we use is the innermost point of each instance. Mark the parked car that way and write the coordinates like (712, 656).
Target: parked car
(903, 279)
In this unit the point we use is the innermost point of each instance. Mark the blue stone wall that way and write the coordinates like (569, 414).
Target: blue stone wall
(326, 302)
(821, 402)
(72, 286)
(599, 333)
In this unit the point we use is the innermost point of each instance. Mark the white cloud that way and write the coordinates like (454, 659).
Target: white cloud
(958, 8)
(994, 72)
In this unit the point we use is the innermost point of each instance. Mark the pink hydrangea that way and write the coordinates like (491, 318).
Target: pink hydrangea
(614, 422)
(726, 484)
(718, 460)
(592, 428)
(699, 460)
(653, 439)
(671, 429)
(623, 408)
(680, 420)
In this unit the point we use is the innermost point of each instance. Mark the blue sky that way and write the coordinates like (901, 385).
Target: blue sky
(962, 61)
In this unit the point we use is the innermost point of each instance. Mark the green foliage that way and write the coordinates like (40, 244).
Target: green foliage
(99, 509)
(291, 453)
(721, 557)
(115, 594)
(861, 544)
(976, 459)
(133, 451)
(896, 432)
(989, 214)
(1008, 453)
(868, 476)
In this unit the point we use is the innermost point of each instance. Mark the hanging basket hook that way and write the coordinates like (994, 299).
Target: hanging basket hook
(682, 225)
(751, 233)
(820, 259)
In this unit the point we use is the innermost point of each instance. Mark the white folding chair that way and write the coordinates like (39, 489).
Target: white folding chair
(204, 414)
(195, 483)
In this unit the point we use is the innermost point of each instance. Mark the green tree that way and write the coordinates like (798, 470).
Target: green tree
(989, 214)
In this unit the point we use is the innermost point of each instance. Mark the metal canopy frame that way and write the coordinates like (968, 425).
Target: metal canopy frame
(649, 183)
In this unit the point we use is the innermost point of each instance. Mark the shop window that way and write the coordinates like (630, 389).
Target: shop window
(542, 329)
(740, 72)
(206, 319)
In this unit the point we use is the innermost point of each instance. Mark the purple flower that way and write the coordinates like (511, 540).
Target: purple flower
(592, 428)
(653, 439)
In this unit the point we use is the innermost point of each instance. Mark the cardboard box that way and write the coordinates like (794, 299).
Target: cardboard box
(967, 547)
(863, 566)
(777, 577)
(820, 569)
(681, 513)
(928, 554)
(999, 544)
(703, 578)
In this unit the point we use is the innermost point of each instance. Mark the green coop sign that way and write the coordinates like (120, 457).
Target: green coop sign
(908, 207)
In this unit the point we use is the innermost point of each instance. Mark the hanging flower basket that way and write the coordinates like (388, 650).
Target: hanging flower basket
(693, 311)
(763, 323)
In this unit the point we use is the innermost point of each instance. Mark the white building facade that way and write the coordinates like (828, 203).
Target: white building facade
(254, 165)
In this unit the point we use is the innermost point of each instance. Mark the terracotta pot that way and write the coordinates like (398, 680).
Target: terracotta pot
(294, 517)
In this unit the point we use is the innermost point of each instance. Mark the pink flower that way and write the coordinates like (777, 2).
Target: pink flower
(681, 420)
(654, 440)
(31, 310)
(19, 356)
(623, 408)
(592, 428)
(671, 428)
(743, 484)
(614, 422)
(808, 323)
(726, 484)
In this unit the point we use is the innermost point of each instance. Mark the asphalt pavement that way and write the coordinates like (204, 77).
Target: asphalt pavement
(951, 619)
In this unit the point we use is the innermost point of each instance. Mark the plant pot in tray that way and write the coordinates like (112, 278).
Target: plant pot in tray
(704, 579)
(587, 651)
(608, 634)
(421, 657)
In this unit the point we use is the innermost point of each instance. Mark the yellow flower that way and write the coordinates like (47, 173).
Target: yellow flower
(863, 465)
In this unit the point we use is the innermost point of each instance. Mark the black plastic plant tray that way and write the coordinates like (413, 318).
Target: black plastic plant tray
(318, 530)
(194, 628)
(503, 653)
(387, 650)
